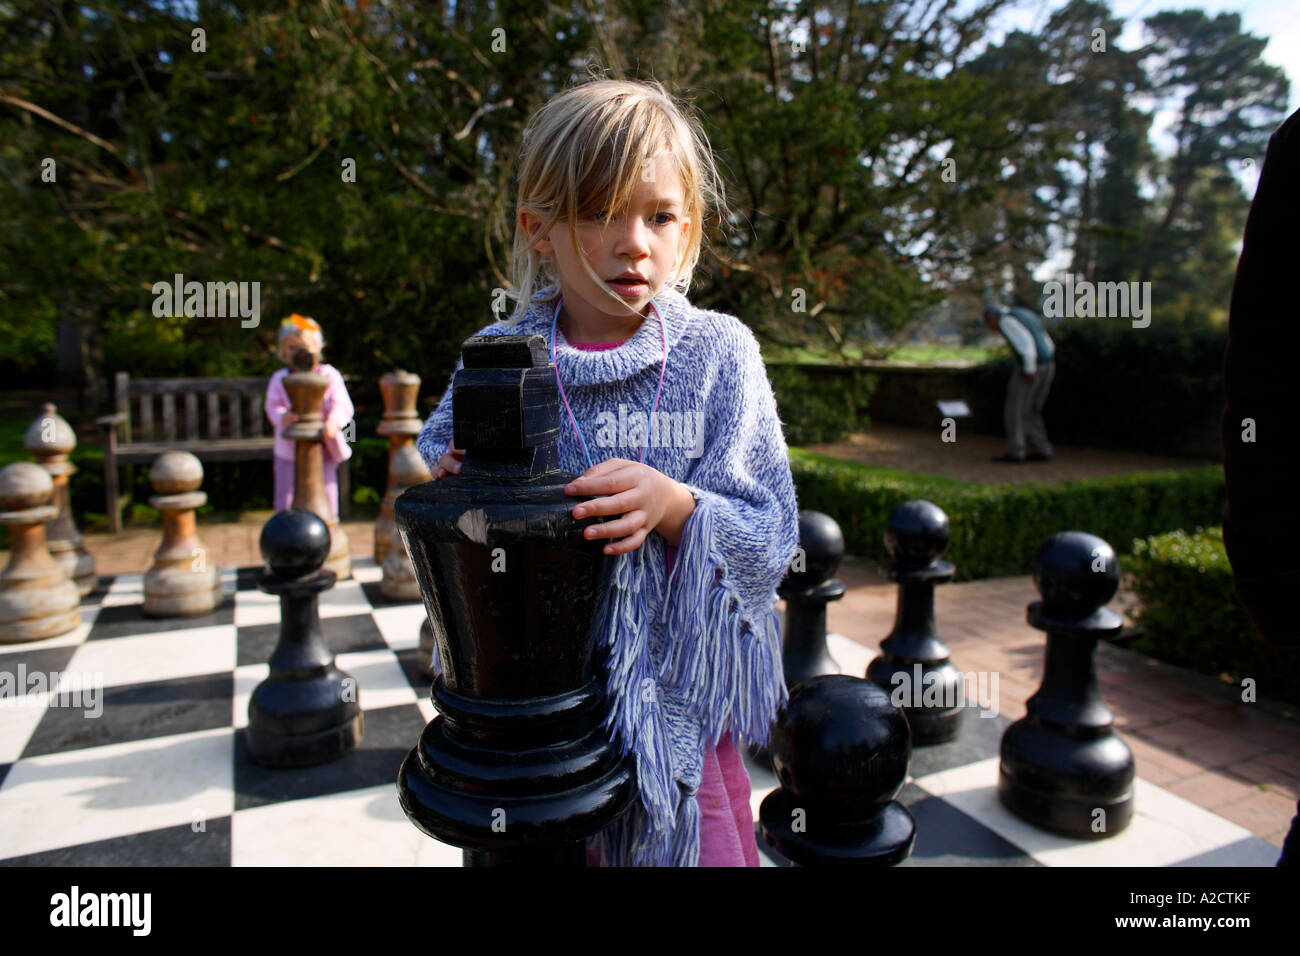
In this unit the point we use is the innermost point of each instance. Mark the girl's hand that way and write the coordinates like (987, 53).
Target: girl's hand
(642, 495)
(288, 418)
(449, 464)
(329, 429)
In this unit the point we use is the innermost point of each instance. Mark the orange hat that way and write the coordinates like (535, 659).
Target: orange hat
(302, 326)
(298, 323)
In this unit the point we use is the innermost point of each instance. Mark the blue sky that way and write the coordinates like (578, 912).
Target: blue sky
(1276, 20)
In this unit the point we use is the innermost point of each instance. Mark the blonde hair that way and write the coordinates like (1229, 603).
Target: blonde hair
(583, 152)
(303, 329)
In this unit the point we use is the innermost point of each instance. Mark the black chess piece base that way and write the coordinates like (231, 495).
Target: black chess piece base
(303, 723)
(930, 725)
(1060, 783)
(935, 727)
(883, 840)
(531, 778)
(307, 711)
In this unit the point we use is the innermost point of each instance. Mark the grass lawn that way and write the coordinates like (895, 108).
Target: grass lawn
(973, 354)
(882, 474)
(921, 354)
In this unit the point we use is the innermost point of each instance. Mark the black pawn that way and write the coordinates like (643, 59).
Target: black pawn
(840, 750)
(307, 711)
(913, 665)
(1063, 767)
(807, 588)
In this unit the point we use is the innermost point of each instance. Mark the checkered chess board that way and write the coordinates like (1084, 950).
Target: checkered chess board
(154, 769)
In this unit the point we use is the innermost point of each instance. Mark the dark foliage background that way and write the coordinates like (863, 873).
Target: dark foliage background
(879, 159)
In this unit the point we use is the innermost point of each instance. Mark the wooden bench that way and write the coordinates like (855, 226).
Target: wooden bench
(214, 419)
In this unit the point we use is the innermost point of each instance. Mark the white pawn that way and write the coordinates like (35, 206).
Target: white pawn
(37, 600)
(406, 468)
(182, 582)
(50, 439)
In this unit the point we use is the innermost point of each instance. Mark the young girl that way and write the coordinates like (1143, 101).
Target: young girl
(670, 421)
(300, 332)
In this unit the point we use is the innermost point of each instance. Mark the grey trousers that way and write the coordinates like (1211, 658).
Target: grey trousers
(1023, 415)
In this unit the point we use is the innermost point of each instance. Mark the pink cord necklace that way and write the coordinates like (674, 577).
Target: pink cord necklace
(663, 333)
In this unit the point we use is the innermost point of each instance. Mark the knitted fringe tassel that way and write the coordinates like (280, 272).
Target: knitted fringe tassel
(641, 837)
(726, 666)
(730, 666)
(686, 834)
(634, 840)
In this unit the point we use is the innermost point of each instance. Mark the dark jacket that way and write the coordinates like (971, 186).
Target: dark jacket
(1261, 526)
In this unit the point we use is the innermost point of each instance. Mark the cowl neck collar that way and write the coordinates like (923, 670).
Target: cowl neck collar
(643, 350)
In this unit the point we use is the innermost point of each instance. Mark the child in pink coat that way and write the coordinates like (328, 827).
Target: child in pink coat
(300, 332)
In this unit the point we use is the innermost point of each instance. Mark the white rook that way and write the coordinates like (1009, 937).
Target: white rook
(405, 469)
(401, 423)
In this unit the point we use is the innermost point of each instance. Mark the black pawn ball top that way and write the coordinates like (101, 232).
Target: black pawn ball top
(1076, 573)
(295, 543)
(822, 542)
(841, 744)
(916, 533)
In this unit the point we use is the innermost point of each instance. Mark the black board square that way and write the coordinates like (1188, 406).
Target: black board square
(170, 846)
(343, 635)
(138, 712)
(388, 735)
(129, 620)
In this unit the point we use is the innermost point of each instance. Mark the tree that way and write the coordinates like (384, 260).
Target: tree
(356, 160)
(1227, 101)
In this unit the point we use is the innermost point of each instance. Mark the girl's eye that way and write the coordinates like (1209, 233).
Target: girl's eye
(669, 217)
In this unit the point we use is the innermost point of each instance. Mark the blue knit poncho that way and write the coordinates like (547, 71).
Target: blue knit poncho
(697, 657)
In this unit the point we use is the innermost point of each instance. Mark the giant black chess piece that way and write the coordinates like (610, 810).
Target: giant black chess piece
(516, 769)
(307, 711)
(913, 665)
(1063, 767)
(807, 588)
(840, 750)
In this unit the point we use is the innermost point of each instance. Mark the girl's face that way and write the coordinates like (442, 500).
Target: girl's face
(646, 240)
(293, 343)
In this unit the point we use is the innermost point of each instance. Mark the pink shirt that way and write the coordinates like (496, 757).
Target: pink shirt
(726, 820)
(337, 409)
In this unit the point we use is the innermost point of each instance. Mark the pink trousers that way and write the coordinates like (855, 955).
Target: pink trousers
(283, 499)
(726, 821)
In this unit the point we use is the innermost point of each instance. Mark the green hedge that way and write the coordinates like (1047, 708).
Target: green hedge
(1158, 389)
(997, 528)
(817, 406)
(1189, 614)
